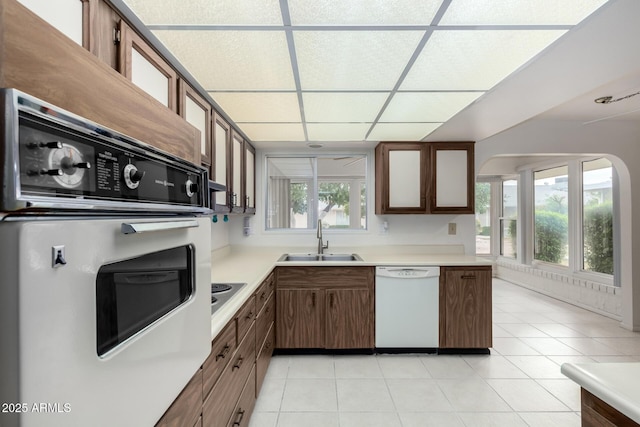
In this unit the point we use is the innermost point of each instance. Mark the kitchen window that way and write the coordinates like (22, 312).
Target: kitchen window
(597, 216)
(303, 190)
(509, 218)
(551, 215)
(483, 218)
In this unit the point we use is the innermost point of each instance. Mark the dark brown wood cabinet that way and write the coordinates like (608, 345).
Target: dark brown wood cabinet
(197, 112)
(424, 177)
(348, 318)
(598, 413)
(265, 331)
(140, 63)
(325, 307)
(465, 307)
(299, 318)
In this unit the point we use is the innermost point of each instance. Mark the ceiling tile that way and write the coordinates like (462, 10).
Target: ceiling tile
(474, 60)
(343, 107)
(518, 12)
(354, 60)
(273, 131)
(401, 131)
(363, 12)
(207, 12)
(426, 107)
(259, 106)
(337, 131)
(233, 60)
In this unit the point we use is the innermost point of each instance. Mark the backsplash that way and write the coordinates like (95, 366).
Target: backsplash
(402, 230)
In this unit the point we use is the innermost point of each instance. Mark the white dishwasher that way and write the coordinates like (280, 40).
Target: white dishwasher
(407, 307)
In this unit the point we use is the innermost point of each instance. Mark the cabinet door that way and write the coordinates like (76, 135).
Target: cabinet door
(237, 192)
(453, 178)
(220, 166)
(299, 318)
(249, 178)
(349, 319)
(401, 178)
(465, 304)
(146, 69)
(197, 111)
(100, 31)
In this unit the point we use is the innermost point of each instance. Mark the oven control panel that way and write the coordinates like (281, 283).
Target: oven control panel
(65, 162)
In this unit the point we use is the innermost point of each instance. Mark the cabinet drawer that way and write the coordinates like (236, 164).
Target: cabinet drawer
(264, 321)
(242, 411)
(264, 357)
(222, 350)
(218, 406)
(185, 410)
(325, 277)
(245, 317)
(264, 291)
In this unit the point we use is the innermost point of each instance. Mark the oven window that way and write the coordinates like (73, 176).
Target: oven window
(132, 294)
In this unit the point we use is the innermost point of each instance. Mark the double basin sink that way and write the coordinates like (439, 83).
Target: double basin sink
(319, 257)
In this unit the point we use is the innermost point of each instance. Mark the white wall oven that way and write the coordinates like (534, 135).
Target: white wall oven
(105, 260)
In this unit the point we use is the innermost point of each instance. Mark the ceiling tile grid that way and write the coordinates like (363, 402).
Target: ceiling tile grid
(354, 70)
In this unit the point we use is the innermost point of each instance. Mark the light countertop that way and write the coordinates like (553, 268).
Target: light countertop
(253, 264)
(614, 383)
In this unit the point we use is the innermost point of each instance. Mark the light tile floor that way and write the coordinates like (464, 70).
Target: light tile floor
(519, 384)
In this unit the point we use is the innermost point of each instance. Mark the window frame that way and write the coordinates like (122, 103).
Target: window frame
(315, 181)
(525, 226)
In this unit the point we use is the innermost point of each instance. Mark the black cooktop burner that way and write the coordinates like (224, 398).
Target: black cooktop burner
(219, 287)
(223, 292)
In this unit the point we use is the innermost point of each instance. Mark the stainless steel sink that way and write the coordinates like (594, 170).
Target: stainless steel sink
(319, 257)
(341, 257)
(299, 257)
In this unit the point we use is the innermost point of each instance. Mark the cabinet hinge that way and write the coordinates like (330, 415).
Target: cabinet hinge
(116, 36)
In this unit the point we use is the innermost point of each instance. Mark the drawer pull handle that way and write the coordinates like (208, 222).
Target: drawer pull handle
(223, 353)
(238, 364)
(331, 300)
(313, 299)
(470, 276)
(263, 295)
(250, 315)
(267, 345)
(239, 417)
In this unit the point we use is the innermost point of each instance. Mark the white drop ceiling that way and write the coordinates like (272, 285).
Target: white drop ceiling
(354, 71)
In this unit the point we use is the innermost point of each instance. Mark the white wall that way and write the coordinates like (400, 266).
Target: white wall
(402, 229)
(620, 141)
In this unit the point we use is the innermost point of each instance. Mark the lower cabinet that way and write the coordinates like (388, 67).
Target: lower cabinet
(223, 392)
(325, 307)
(465, 307)
(218, 407)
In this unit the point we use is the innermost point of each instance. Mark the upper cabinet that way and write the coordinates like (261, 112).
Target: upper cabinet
(67, 16)
(145, 68)
(195, 110)
(424, 177)
(401, 178)
(220, 167)
(452, 169)
(237, 163)
(249, 178)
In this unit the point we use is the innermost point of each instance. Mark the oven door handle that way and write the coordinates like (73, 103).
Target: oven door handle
(145, 227)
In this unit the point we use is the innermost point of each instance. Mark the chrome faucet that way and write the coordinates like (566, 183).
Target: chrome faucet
(321, 246)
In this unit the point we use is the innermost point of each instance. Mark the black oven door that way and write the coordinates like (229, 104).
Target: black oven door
(133, 294)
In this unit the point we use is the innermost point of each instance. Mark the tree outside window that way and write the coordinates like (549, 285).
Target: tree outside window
(597, 216)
